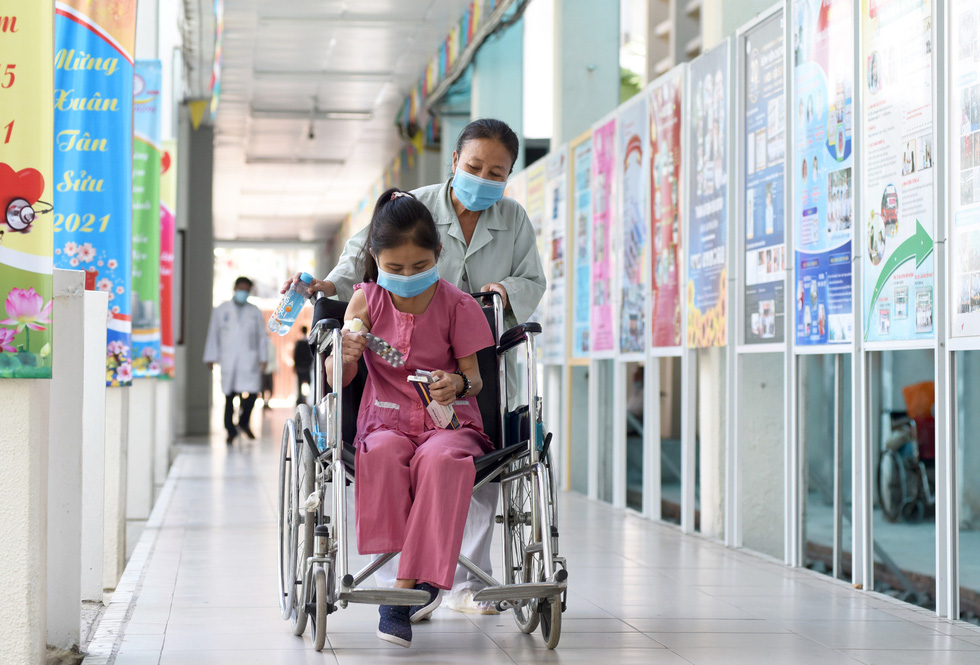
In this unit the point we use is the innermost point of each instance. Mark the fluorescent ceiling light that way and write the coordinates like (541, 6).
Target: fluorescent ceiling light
(272, 159)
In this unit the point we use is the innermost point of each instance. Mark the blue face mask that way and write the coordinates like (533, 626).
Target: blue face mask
(475, 193)
(408, 286)
(241, 296)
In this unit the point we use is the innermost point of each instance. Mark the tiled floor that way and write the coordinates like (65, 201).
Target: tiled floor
(201, 589)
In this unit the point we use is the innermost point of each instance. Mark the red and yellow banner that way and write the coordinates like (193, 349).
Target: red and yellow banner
(26, 187)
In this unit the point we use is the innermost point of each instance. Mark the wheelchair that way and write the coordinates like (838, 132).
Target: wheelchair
(316, 465)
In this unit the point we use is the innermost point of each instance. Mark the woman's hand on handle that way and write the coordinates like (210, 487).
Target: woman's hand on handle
(446, 387)
(323, 286)
(499, 288)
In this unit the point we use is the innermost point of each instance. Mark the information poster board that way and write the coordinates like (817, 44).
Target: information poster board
(168, 230)
(964, 151)
(581, 202)
(707, 254)
(26, 189)
(93, 121)
(517, 188)
(603, 252)
(146, 219)
(898, 167)
(822, 172)
(535, 207)
(634, 229)
(666, 215)
(763, 127)
(556, 214)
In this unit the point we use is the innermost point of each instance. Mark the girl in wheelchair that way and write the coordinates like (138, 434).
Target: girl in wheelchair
(414, 480)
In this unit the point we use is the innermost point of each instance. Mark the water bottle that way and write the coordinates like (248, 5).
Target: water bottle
(289, 307)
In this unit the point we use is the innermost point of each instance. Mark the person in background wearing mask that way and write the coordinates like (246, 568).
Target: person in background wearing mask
(488, 244)
(237, 341)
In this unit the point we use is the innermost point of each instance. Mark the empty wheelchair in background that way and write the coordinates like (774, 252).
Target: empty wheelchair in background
(907, 465)
(317, 464)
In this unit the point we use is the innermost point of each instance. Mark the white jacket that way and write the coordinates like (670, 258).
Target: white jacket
(237, 342)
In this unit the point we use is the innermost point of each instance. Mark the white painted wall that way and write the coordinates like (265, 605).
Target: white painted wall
(116, 445)
(23, 519)
(711, 428)
(142, 433)
(93, 448)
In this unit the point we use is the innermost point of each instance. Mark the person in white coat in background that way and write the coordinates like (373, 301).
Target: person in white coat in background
(237, 342)
(488, 244)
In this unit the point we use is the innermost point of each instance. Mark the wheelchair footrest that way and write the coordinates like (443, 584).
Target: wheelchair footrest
(519, 591)
(381, 596)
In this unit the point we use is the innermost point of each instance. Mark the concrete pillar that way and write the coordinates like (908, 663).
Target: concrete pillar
(164, 433)
(116, 449)
(23, 519)
(139, 458)
(93, 448)
(452, 125)
(586, 65)
(78, 390)
(711, 427)
(498, 81)
(721, 18)
(195, 167)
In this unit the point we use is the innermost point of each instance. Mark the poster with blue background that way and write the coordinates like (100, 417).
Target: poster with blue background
(707, 248)
(764, 134)
(821, 167)
(93, 159)
(581, 163)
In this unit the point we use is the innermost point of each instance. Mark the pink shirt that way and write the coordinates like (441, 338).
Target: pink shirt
(452, 326)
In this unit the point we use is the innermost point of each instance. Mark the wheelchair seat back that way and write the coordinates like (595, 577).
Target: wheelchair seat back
(489, 400)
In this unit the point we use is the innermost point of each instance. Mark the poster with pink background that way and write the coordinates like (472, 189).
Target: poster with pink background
(603, 174)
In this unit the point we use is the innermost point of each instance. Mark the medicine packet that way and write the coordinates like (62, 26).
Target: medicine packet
(443, 416)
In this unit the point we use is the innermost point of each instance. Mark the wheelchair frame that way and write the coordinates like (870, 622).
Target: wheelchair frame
(316, 467)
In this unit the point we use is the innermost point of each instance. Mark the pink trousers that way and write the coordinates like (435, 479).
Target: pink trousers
(412, 496)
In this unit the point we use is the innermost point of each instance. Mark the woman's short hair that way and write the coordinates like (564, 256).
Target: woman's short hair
(489, 128)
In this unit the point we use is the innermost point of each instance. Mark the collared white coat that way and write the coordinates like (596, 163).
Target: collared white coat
(237, 342)
(503, 249)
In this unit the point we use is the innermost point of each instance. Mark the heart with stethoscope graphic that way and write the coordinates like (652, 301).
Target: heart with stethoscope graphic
(20, 191)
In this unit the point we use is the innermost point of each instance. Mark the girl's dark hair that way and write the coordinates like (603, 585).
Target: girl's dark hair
(399, 218)
(489, 128)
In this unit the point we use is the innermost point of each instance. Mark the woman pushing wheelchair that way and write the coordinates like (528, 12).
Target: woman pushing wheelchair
(487, 244)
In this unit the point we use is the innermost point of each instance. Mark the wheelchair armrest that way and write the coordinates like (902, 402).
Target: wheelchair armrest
(517, 335)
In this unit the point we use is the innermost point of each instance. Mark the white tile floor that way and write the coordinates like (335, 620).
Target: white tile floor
(201, 589)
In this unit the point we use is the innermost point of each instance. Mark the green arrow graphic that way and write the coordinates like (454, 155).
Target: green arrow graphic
(918, 246)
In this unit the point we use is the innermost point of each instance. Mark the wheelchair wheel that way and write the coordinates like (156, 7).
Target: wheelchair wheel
(521, 566)
(549, 611)
(892, 485)
(304, 523)
(318, 603)
(287, 531)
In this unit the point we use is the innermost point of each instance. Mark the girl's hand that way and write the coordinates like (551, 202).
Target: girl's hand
(494, 286)
(353, 347)
(446, 387)
(316, 286)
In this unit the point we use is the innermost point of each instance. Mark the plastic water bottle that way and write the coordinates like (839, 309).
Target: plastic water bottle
(289, 307)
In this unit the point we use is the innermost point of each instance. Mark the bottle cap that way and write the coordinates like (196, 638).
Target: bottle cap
(306, 277)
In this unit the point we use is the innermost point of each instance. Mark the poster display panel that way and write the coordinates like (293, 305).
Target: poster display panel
(707, 242)
(146, 219)
(581, 202)
(666, 215)
(536, 213)
(168, 230)
(556, 213)
(822, 172)
(898, 169)
(763, 127)
(634, 229)
(93, 122)
(26, 189)
(603, 175)
(964, 150)
(517, 188)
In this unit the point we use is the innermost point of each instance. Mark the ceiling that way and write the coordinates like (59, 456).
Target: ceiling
(341, 68)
